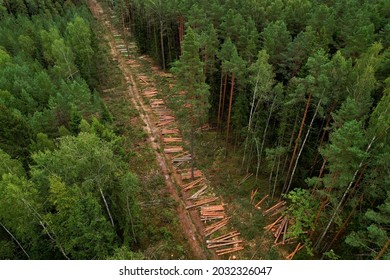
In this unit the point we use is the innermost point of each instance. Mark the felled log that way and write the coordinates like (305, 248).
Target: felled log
(202, 202)
(172, 139)
(171, 150)
(224, 237)
(270, 226)
(299, 247)
(164, 123)
(261, 201)
(280, 229)
(210, 246)
(273, 208)
(190, 185)
(182, 159)
(215, 227)
(169, 131)
(279, 210)
(188, 175)
(228, 251)
(253, 194)
(198, 193)
(245, 178)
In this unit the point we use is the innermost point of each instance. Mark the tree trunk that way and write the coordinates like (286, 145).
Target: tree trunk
(224, 97)
(264, 135)
(319, 145)
(192, 153)
(383, 250)
(276, 177)
(302, 146)
(345, 222)
(230, 109)
(162, 44)
(297, 142)
(316, 247)
(16, 240)
(220, 103)
(131, 217)
(108, 209)
(290, 143)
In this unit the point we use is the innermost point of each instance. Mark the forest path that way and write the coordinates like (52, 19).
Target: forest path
(191, 231)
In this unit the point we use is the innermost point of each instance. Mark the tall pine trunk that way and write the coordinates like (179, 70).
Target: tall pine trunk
(230, 108)
(319, 241)
(220, 103)
(302, 146)
(264, 136)
(162, 44)
(297, 140)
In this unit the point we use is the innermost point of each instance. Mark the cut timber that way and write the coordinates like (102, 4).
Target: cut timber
(269, 227)
(169, 131)
(181, 154)
(182, 159)
(162, 111)
(279, 210)
(280, 229)
(172, 139)
(202, 202)
(193, 183)
(198, 193)
(291, 256)
(188, 175)
(247, 176)
(166, 118)
(149, 92)
(224, 237)
(165, 123)
(210, 246)
(215, 227)
(171, 150)
(273, 208)
(261, 201)
(234, 249)
(253, 194)
(212, 212)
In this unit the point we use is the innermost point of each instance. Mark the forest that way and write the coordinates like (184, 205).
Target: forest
(296, 93)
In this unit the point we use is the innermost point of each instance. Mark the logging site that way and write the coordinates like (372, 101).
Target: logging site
(194, 130)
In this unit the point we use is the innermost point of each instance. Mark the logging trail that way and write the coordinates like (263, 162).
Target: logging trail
(128, 65)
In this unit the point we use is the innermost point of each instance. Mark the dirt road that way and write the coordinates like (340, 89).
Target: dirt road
(191, 232)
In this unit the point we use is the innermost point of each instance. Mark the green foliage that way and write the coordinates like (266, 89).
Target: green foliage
(79, 222)
(189, 70)
(300, 211)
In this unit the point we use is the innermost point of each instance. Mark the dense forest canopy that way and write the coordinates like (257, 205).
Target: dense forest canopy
(65, 188)
(301, 88)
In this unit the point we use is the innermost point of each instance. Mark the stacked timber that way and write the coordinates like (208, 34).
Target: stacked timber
(275, 209)
(214, 212)
(201, 202)
(215, 227)
(172, 150)
(198, 193)
(196, 186)
(226, 244)
(188, 174)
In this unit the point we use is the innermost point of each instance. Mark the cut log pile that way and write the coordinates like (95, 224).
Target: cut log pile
(172, 150)
(279, 227)
(201, 202)
(195, 187)
(226, 244)
(214, 212)
(185, 175)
